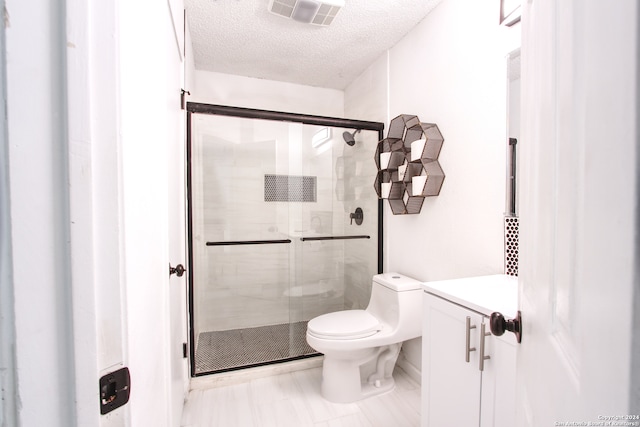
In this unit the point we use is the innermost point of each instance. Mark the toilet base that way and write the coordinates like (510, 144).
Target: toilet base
(343, 382)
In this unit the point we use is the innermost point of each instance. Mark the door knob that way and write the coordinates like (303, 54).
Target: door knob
(499, 325)
(178, 270)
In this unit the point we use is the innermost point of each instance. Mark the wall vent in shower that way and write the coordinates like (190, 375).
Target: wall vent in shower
(289, 188)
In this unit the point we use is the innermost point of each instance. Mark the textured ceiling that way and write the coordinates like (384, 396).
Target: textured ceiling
(242, 37)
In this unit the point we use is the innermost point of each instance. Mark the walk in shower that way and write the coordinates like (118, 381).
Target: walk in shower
(284, 225)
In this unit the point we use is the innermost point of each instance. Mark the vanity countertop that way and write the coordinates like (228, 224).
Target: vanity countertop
(484, 294)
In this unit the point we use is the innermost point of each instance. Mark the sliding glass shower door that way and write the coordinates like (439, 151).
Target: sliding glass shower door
(275, 234)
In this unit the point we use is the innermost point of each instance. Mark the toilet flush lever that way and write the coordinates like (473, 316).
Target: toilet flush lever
(358, 215)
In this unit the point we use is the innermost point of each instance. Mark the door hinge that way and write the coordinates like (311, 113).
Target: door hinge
(184, 350)
(183, 98)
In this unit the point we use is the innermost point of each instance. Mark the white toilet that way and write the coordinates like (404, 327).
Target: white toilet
(361, 347)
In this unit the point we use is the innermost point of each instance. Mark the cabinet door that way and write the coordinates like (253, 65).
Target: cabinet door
(499, 381)
(450, 385)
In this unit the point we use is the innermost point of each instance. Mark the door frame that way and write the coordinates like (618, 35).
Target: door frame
(249, 113)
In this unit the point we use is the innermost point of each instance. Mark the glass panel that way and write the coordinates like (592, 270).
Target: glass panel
(335, 274)
(259, 189)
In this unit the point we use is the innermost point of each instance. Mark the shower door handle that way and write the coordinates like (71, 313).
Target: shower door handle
(178, 270)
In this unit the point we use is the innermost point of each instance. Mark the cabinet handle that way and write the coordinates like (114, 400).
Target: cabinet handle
(468, 348)
(483, 334)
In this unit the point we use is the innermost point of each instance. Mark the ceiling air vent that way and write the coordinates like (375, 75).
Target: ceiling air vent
(307, 11)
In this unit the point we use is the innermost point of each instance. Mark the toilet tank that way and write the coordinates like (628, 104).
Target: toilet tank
(396, 282)
(397, 301)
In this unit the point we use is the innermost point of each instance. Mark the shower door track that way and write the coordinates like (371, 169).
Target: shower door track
(250, 113)
(223, 110)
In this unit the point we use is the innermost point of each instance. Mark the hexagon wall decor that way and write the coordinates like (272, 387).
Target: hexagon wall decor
(407, 162)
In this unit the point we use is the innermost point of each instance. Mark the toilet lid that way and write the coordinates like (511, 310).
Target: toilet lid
(346, 324)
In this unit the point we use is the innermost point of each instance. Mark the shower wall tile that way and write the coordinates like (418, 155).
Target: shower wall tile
(260, 276)
(360, 267)
(361, 255)
(246, 300)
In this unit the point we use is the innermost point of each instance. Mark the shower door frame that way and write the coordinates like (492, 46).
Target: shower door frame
(250, 113)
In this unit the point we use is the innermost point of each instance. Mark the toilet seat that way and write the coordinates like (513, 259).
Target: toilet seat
(344, 325)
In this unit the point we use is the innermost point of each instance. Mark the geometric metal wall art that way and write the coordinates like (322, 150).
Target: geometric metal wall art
(407, 162)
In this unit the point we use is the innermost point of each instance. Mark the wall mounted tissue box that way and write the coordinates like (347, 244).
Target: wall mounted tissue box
(407, 162)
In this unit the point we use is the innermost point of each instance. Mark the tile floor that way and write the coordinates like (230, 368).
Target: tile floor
(293, 399)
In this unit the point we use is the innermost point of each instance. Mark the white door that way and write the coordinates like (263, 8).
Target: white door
(177, 220)
(578, 196)
(178, 285)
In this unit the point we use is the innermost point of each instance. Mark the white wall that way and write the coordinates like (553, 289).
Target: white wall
(246, 92)
(8, 409)
(83, 171)
(367, 97)
(449, 70)
(39, 213)
(189, 62)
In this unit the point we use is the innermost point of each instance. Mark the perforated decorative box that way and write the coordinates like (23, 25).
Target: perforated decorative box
(407, 162)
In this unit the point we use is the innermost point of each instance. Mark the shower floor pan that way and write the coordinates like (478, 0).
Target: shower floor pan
(239, 348)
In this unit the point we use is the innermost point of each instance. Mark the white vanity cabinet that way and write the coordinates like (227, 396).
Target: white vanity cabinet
(458, 389)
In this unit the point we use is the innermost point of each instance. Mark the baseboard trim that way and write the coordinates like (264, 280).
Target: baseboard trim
(413, 372)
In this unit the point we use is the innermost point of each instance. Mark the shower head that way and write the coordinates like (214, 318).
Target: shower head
(349, 137)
